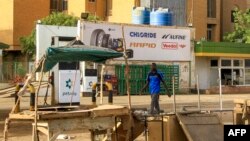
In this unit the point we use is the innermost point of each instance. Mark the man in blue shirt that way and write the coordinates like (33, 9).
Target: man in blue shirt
(154, 80)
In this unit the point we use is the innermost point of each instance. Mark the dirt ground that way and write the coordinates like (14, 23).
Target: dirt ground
(21, 131)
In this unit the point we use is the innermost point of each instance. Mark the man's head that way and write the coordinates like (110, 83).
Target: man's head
(153, 67)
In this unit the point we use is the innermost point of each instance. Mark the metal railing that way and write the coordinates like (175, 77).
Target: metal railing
(9, 71)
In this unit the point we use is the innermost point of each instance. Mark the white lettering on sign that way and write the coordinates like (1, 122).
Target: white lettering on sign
(237, 132)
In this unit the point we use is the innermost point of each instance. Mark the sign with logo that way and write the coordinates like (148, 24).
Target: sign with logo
(88, 81)
(147, 43)
(69, 84)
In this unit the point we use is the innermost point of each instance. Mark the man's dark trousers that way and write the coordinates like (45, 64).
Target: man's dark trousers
(155, 107)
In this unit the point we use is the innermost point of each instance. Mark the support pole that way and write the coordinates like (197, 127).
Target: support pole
(220, 87)
(101, 87)
(131, 122)
(173, 90)
(17, 102)
(35, 132)
(109, 135)
(126, 70)
(93, 97)
(198, 92)
(53, 95)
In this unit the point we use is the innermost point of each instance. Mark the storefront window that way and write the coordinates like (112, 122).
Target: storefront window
(233, 71)
(238, 63)
(247, 63)
(226, 76)
(247, 71)
(247, 76)
(226, 63)
(238, 77)
(214, 63)
(214, 75)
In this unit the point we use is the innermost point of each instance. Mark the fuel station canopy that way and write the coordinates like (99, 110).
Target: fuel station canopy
(77, 53)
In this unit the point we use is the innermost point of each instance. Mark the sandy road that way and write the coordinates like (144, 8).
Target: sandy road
(22, 131)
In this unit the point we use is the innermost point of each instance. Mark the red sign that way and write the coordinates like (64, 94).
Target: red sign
(169, 45)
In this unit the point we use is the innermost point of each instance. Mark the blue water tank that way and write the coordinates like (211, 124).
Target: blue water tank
(162, 17)
(140, 15)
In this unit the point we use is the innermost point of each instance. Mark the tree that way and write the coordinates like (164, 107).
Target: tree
(241, 31)
(56, 18)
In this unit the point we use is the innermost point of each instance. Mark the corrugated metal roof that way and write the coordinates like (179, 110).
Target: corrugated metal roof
(3, 45)
(222, 49)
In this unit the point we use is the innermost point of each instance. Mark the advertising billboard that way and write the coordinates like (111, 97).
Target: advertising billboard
(147, 43)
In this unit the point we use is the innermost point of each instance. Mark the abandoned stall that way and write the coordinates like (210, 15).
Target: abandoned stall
(53, 120)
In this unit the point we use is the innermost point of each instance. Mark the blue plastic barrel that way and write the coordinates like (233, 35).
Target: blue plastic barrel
(162, 17)
(140, 15)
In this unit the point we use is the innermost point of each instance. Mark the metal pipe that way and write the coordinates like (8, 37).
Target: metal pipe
(109, 135)
(162, 129)
(116, 132)
(110, 98)
(146, 128)
(110, 90)
(93, 97)
(94, 91)
(32, 97)
(198, 92)
(173, 90)
(53, 95)
(17, 103)
(220, 87)
(101, 87)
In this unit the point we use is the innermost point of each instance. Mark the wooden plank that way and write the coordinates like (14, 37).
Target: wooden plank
(57, 108)
(99, 123)
(21, 117)
(173, 130)
(239, 101)
(241, 110)
(109, 110)
(204, 132)
(43, 130)
(238, 119)
(237, 105)
(238, 110)
(58, 115)
(203, 119)
(242, 101)
(154, 131)
(100, 111)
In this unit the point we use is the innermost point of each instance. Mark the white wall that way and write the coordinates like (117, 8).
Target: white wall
(202, 67)
(1, 62)
(44, 34)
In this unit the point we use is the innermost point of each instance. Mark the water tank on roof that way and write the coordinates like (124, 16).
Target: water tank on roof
(162, 17)
(140, 15)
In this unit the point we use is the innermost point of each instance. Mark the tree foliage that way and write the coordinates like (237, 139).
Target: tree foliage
(241, 31)
(56, 18)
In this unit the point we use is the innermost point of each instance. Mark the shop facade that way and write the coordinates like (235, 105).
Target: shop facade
(228, 62)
